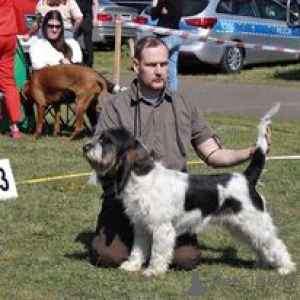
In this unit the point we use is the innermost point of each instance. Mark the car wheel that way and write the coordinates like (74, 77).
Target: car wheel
(232, 60)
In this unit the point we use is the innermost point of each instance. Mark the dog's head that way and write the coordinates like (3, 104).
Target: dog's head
(116, 153)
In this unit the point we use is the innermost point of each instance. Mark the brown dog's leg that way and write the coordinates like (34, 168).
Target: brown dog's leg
(57, 120)
(39, 125)
(80, 108)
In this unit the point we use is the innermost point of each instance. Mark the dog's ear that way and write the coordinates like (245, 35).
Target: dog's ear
(136, 159)
(124, 170)
(142, 161)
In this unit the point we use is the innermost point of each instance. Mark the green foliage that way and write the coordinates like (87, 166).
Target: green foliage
(46, 232)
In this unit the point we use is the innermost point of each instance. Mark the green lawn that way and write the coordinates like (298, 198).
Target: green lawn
(279, 74)
(46, 232)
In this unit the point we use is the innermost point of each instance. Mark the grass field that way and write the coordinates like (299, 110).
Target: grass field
(279, 74)
(46, 232)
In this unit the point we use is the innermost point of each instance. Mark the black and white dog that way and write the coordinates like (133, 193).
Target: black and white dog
(163, 203)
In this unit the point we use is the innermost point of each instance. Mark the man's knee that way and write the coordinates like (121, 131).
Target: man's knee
(109, 256)
(187, 252)
(186, 257)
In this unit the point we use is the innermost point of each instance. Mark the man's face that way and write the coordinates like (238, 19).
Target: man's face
(53, 29)
(152, 69)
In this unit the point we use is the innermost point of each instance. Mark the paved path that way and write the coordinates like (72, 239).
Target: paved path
(242, 99)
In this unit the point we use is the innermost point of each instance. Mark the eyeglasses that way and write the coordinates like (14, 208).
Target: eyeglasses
(52, 26)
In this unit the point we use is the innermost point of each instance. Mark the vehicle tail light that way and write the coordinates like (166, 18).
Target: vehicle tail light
(140, 20)
(104, 17)
(205, 23)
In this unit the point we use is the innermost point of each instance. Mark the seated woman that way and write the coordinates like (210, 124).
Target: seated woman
(54, 49)
(69, 9)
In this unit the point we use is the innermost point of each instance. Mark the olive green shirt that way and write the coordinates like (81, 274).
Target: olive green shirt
(167, 129)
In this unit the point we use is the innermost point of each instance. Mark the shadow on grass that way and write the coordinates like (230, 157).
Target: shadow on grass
(85, 238)
(290, 75)
(228, 255)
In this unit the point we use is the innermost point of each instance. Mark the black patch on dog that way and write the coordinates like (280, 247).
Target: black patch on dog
(255, 167)
(256, 199)
(230, 206)
(202, 192)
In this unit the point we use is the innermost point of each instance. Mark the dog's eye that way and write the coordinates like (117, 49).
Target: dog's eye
(105, 139)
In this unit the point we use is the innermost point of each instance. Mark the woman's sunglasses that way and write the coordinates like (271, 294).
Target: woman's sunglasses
(52, 26)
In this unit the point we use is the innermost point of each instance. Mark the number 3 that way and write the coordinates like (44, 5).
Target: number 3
(4, 184)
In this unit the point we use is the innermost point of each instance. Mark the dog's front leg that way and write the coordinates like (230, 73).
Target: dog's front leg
(163, 243)
(39, 125)
(140, 251)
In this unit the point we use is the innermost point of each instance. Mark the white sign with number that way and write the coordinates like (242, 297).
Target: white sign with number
(7, 183)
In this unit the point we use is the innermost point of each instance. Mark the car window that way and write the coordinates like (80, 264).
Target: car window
(237, 7)
(245, 8)
(193, 7)
(225, 7)
(271, 10)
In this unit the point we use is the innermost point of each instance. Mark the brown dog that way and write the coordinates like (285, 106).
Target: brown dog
(50, 85)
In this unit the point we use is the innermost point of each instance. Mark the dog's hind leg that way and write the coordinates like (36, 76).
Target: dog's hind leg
(81, 105)
(140, 251)
(57, 120)
(258, 231)
(163, 243)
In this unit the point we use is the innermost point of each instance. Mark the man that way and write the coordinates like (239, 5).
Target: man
(167, 124)
(89, 9)
(168, 13)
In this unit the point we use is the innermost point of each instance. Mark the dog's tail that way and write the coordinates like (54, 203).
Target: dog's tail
(257, 163)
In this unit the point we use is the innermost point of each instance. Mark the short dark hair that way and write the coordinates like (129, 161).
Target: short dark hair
(147, 42)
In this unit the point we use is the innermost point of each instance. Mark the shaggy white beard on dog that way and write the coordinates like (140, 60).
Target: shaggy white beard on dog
(163, 203)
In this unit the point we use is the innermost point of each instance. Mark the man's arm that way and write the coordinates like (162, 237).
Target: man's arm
(76, 15)
(215, 156)
(34, 27)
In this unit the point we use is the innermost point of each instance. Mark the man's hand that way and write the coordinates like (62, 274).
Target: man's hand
(25, 37)
(65, 61)
(268, 137)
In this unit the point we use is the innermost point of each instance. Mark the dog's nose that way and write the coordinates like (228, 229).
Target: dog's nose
(87, 147)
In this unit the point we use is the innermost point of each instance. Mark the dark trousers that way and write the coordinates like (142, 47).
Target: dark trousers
(86, 30)
(114, 239)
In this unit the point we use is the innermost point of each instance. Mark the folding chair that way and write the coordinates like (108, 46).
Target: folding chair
(67, 117)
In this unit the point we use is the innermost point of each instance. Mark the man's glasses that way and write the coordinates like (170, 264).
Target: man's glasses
(52, 26)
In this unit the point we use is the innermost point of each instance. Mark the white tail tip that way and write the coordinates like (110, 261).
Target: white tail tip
(262, 127)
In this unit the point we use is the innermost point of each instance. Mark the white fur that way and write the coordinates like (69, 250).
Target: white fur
(155, 205)
(162, 204)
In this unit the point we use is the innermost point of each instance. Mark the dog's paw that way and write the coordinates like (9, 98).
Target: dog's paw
(130, 266)
(287, 270)
(153, 272)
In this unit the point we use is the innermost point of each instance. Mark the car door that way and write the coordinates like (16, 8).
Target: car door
(272, 30)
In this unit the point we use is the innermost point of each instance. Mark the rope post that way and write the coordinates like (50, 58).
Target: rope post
(118, 36)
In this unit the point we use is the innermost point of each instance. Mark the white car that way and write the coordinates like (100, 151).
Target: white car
(104, 32)
(261, 22)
